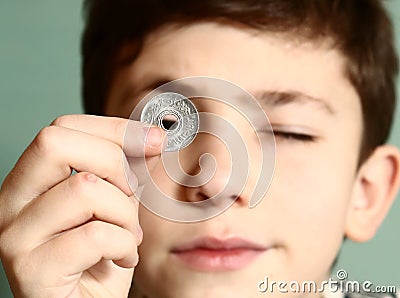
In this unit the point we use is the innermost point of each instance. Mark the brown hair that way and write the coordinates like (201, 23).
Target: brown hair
(361, 31)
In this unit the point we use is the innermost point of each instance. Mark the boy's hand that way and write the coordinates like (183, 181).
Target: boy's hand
(73, 236)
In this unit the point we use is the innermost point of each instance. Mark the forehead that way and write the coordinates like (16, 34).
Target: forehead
(255, 60)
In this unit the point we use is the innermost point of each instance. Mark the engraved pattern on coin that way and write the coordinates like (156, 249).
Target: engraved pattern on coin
(168, 106)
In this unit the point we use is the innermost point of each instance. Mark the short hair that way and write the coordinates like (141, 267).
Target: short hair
(361, 31)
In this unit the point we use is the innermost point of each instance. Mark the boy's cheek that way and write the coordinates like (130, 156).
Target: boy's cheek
(311, 194)
(309, 223)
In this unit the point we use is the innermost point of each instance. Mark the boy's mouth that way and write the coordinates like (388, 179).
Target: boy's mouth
(213, 254)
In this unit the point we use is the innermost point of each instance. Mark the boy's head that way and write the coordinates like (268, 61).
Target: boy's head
(323, 71)
(360, 30)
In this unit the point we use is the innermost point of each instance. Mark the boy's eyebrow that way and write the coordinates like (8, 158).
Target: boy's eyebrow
(266, 98)
(280, 98)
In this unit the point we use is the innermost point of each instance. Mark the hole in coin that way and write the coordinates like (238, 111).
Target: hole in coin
(169, 122)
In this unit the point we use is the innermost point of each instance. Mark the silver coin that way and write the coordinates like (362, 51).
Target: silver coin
(178, 112)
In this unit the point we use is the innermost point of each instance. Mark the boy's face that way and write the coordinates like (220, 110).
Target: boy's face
(297, 229)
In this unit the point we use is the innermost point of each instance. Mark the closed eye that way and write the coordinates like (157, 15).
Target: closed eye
(294, 136)
(291, 136)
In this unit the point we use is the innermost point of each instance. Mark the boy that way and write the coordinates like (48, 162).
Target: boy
(328, 90)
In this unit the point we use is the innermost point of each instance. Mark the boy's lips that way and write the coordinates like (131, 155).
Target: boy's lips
(213, 254)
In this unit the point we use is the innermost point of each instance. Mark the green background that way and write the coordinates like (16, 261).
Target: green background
(40, 79)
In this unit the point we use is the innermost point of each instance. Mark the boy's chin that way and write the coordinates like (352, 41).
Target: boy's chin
(227, 290)
(196, 290)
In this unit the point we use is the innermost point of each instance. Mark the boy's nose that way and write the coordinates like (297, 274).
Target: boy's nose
(217, 165)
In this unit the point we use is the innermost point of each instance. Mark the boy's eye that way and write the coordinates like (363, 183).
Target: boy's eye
(293, 136)
(284, 135)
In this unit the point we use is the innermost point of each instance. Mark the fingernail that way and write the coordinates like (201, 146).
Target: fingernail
(139, 232)
(154, 137)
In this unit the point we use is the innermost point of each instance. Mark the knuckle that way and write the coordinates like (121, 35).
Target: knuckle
(95, 232)
(61, 120)
(67, 121)
(80, 183)
(45, 140)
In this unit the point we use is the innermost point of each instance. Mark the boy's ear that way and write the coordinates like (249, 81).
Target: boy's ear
(374, 191)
